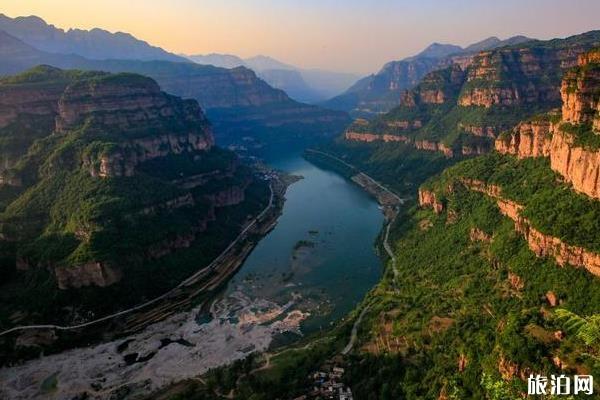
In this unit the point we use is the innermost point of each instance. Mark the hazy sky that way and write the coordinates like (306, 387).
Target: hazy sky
(344, 35)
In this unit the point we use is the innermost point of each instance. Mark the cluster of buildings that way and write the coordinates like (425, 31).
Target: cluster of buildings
(328, 385)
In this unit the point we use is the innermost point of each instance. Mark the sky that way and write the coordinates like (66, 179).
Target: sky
(356, 36)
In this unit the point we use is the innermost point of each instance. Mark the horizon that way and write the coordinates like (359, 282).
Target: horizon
(326, 35)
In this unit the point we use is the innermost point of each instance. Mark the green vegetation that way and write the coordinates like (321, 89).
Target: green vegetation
(583, 135)
(397, 164)
(144, 223)
(551, 206)
(586, 329)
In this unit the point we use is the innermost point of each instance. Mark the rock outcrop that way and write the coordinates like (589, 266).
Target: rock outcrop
(543, 245)
(580, 91)
(426, 145)
(372, 137)
(480, 131)
(428, 199)
(516, 76)
(578, 164)
(528, 139)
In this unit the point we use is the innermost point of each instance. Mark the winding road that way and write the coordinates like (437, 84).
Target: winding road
(186, 282)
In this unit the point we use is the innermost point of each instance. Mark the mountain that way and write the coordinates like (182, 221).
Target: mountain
(261, 63)
(524, 220)
(460, 112)
(218, 60)
(236, 100)
(94, 44)
(380, 92)
(108, 187)
(306, 85)
(439, 50)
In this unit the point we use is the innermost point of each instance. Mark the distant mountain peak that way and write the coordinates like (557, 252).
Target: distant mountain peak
(439, 50)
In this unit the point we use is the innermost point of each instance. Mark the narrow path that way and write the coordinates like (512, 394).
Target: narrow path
(388, 249)
(186, 282)
(352, 340)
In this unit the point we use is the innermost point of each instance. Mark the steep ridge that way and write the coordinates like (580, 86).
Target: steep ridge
(380, 92)
(236, 100)
(107, 178)
(460, 111)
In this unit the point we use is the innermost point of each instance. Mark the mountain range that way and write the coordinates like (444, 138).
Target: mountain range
(302, 84)
(380, 92)
(95, 44)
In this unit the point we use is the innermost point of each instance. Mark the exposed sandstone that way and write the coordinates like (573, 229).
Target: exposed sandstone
(580, 92)
(551, 297)
(543, 245)
(428, 199)
(463, 361)
(515, 281)
(480, 131)
(475, 149)
(122, 160)
(528, 139)
(404, 125)
(430, 145)
(372, 137)
(526, 65)
(579, 166)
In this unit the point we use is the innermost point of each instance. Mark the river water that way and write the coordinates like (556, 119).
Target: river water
(309, 271)
(321, 249)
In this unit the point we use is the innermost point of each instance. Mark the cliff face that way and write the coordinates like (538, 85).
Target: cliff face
(510, 77)
(528, 139)
(543, 245)
(112, 153)
(579, 91)
(382, 91)
(578, 165)
(561, 141)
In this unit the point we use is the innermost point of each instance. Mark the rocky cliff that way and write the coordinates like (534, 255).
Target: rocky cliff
(528, 139)
(579, 92)
(569, 141)
(111, 158)
(543, 245)
(382, 91)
